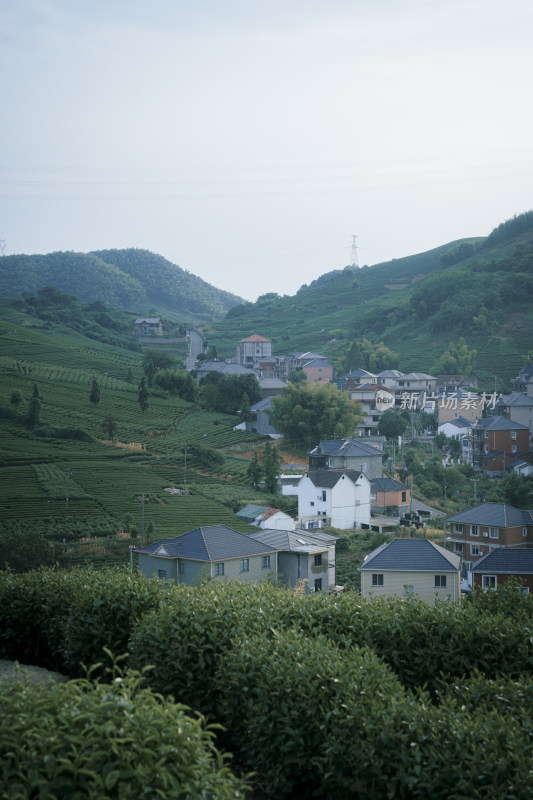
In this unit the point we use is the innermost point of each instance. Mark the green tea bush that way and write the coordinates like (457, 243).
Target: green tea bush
(312, 719)
(80, 740)
(103, 612)
(184, 639)
(34, 607)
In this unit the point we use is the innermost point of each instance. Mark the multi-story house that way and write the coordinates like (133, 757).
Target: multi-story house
(367, 395)
(333, 497)
(348, 453)
(497, 442)
(253, 350)
(475, 532)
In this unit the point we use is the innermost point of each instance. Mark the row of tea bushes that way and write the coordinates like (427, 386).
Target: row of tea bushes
(321, 696)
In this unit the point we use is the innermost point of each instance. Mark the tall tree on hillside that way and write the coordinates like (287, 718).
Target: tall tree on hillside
(109, 424)
(94, 396)
(33, 417)
(272, 461)
(245, 412)
(254, 473)
(458, 359)
(143, 395)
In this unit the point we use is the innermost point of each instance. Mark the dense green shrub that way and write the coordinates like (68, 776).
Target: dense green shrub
(79, 740)
(184, 639)
(312, 719)
(103, 612)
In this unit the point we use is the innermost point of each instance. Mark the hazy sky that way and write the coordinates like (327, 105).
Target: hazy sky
(248, 140)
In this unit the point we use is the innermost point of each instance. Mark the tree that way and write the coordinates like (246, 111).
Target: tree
(109, 425)
(22, 552)
(392, 424)
(458, 359)
(129, 376)
(245, 412)
(297, 376)
(514, 489)
(35, 392)
(271, 463)
(15, 399)
(306, 413)
(254, 473)
(177, 382)
(33, 417)
(143, 396)
(156, 360)
(94, 396)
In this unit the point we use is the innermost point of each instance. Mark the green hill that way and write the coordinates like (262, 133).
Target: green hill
(479, 289)
(134, 280)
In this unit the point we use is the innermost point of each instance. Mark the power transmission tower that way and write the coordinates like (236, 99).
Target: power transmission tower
(355, 260)
(2, 245)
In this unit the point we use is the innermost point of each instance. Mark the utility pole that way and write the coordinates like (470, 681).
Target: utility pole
(475, 482)
(185, 468)
(142, 521)
(355, 260)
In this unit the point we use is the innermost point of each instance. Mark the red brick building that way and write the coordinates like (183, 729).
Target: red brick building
(484, 528)
(502, 565)
(497, 442)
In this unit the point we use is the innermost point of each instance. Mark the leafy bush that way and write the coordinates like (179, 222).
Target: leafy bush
(79, 740)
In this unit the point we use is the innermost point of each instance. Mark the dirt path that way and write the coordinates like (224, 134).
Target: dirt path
(13, 671)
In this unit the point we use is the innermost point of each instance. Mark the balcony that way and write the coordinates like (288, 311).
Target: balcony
(314, 522)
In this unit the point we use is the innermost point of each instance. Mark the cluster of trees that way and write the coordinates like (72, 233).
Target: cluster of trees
(458, 359)
(364, 354)
(306, 413)
(265, 469)
(226, 393)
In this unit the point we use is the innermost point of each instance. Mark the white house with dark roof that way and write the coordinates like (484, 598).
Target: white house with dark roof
(214, 551)
(348, 453)
(266, 517)
(339, 498)
(412, 568)
(303, 556)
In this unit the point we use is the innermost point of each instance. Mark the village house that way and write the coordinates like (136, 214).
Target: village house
(367, 395)
(148, 326)
(497, 442)
(348, 453)
(303, 556)
(224, 367)
(412, 568)
(389, 497)
(266, 517)
(467, 405)
(260, 419)
(479, 530)
(451, 383)
(253, 350)
(502, 565)
(339, 498)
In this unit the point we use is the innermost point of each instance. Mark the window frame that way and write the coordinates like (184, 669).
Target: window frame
(265, 562)
(219, 569)
(318, 559)
(378, 579)
(493, 584)
(244, 565)
(441, 582)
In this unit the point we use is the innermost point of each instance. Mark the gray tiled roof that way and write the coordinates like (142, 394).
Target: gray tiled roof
(295, 541)
(508, 560)
(499, 424)
(499, 515)
(411, 555)
(346, 447)
(212, 543)
(386, 485)
(328, 478)
(251, 511)
(262, 405)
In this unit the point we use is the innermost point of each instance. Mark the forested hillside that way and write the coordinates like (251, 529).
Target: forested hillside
(134, 280)
(478, 289)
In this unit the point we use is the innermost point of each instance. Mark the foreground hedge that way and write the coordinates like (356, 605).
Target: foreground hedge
(81, 740)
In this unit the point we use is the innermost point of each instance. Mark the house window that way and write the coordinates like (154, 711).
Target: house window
(524, 531)
(162, 573)
(318, 585)
(265, 562)
(474, 530)
(377, 579)
(324, 495)
(513, 448)
(494, 533)
(440, 581)
(458, 547)
(408, 590)
(489, 581)
(486, 449)
(318, 560)
(363, 468)
(373, 497)
(513, 435)
(404, 497)
(312, 503)
(474, 549)
(458, 528)
(245, 565)
(219, 568)
(486, 434)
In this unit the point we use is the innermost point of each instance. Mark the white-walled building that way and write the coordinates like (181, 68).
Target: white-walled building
(339, 498)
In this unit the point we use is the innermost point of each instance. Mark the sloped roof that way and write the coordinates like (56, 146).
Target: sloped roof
(499, 424)
(508, 560)
(262, 405)
(150, 320)
(272, 383)
(226, 368)
(499, 515)
(517, 399)
(386, 485)
(419, 376)
(411, 555)
(346, 447)
(459, 422)
(210, 543)
(250, 512)
(294, 541)
(390, 373)
(255, 338)
(328, 478)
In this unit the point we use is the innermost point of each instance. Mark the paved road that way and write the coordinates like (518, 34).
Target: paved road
(195, 348)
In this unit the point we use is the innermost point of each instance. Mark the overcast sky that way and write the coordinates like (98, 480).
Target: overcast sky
(248, 140)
